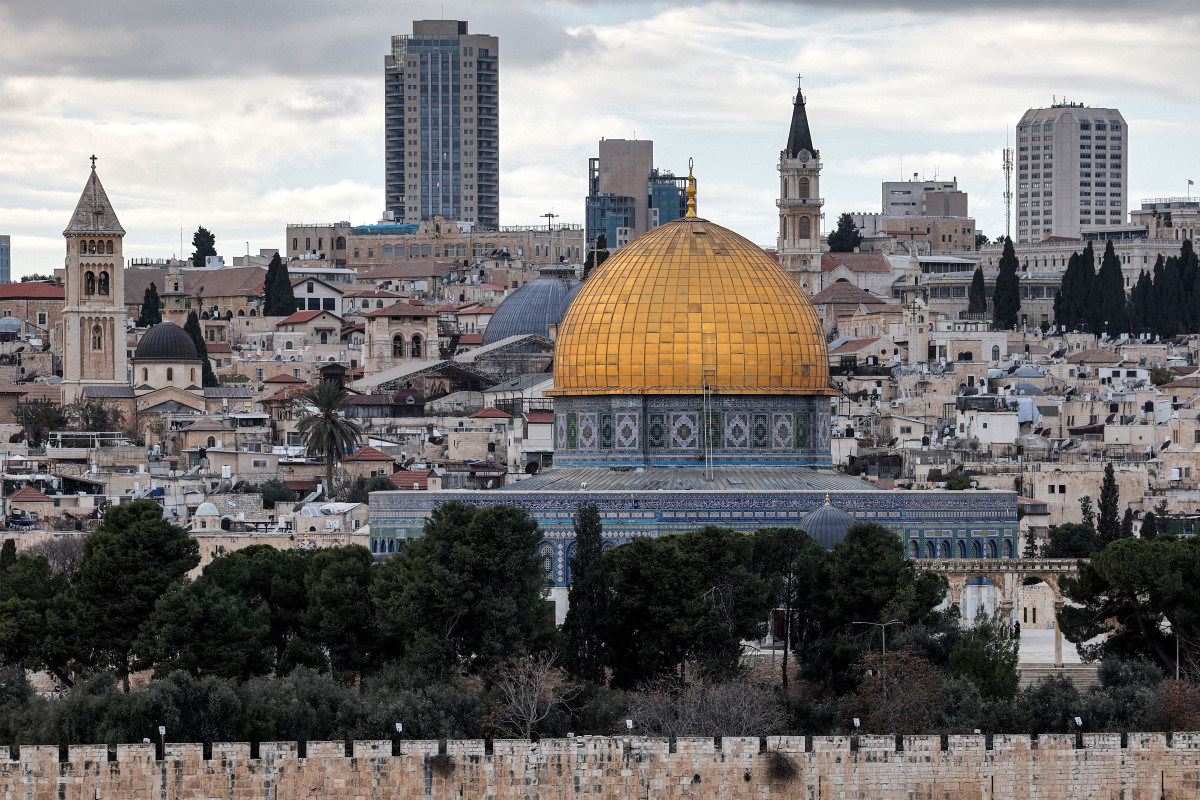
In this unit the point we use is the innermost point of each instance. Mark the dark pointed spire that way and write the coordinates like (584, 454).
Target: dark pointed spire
(799, 137)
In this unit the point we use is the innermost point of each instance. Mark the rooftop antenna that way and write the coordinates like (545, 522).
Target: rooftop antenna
(1008, 168)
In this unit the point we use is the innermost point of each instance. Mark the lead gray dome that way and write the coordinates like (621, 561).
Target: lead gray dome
(166, 341)
(827, 525)
(532, 309)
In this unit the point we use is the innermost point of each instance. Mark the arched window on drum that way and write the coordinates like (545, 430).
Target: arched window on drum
(546, 560)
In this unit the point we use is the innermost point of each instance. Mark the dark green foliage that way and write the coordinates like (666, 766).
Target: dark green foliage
(977, 294)
(687, 598)
(1126, 524)
(192, 328)
(360, 490)
(37, 419)
(1070, 540)
(34, 276)
(1086, 511)
(260, 574)
(1075, 307)
(1110, 294)
(127, 564)
(587, 599)
(980, 240)
(845, 237)
(150, 313)
(467, 595)
(340, 614)
(279, 297)
(36, 629)
(1149, 529)
(987, 657)
(1108, 529)
(204, 243)
(273, 491)
(1150, 588)
(1006, 299)
(8, 555)
(791, 561)
(203, 630)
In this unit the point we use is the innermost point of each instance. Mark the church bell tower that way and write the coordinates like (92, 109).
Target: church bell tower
(94, 315)
(800, 202)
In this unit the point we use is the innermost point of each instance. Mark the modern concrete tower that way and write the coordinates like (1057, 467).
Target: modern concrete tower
(442, 125)
(800, 202)
(94, 315)
(1072, 171)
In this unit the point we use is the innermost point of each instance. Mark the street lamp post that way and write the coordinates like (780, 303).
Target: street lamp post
(882, 629)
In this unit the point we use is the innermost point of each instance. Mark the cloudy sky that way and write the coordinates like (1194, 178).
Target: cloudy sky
(244, 115)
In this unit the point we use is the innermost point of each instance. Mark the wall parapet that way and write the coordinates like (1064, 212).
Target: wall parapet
(739, 768)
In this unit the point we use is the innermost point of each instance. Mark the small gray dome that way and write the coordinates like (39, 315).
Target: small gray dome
(207, 510)
(166, 341)
(826, 525)
(532, 309)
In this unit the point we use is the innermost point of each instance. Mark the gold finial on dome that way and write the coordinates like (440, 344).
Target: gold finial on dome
(827, 498)
(691, 192)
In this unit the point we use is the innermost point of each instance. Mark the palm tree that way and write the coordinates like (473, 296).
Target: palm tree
(326, 432)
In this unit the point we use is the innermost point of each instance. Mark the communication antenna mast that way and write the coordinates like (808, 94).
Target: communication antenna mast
(1008, 168)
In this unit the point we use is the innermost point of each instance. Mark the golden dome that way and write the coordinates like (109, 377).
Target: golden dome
(687, 303)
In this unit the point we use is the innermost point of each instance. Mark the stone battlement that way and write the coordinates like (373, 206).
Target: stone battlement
(828, 767)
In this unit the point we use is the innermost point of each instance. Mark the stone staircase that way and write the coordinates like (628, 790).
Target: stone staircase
(1082, 675)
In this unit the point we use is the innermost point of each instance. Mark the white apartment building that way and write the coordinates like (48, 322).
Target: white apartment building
(1072, 170)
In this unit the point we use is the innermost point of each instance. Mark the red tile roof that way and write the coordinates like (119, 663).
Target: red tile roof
(845, 292)
(31, 290)
(305, 316)
(40, 391)
(402, 310)
(472, 311)
(287, 393)
(1095, 357)
(490, 413)
(855, 262)
(217, 347)
(282, 378)
(1189, 382)
(540, 417)
(854, 345)
(471, 338)
(404, 479)
(29, 495)
(368, 454)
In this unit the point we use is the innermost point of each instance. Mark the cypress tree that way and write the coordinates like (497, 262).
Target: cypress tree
(1111, 294)
(1006, 300)
(1127, 524)
(192, 328)
(1067, 301)
(1149, 526)
(1139, 303)
(149, 314)
(977, 294)
(280, 300)
(586, 615)
(1109, 527)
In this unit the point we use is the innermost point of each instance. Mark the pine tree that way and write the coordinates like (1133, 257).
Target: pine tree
(1006, 300)
(280, 297)
(1149, 526)
(846, 237)
(977, 294)
(1109, 528)
(150, 313)
(586, 617)
(205, 244)
(1111, 294)
(192, 328)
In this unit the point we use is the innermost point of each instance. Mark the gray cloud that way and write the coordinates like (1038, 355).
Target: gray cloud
(160, 40)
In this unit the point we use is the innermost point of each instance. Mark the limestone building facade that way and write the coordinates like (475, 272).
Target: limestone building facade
(94, 315)
(800, 202)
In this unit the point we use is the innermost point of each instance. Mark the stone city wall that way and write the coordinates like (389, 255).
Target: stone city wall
(1048, 768)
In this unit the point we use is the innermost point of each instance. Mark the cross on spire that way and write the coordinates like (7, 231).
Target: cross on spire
(93, 162)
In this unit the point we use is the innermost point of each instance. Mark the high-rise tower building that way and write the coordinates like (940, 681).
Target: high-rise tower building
(800, 202)
(442, 125)
(627, 195)
(1072, 170)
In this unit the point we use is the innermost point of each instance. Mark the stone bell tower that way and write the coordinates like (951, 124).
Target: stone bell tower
(94, 315)
(800, 202)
